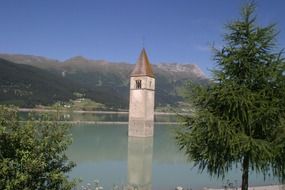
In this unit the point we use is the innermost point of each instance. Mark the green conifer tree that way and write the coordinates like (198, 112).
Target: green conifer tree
(240, 117)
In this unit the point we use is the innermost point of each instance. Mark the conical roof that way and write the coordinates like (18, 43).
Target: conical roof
(143, 67)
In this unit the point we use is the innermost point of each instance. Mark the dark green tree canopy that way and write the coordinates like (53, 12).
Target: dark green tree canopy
(239, 118)
(32, 153)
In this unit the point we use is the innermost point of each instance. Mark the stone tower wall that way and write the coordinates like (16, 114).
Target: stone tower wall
(141, 112)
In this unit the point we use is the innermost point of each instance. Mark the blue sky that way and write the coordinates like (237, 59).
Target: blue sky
(173, 30)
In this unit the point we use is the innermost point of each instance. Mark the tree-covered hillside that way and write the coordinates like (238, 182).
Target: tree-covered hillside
(27, 86)
(31, 80)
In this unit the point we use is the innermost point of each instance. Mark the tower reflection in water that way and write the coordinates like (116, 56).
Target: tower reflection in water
(140, 152)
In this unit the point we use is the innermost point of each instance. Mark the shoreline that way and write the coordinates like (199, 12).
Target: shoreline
(95, 112)
(264, 187)
(111, 122)
(116, 122)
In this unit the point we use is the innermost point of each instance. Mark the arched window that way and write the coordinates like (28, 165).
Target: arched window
(138, 84)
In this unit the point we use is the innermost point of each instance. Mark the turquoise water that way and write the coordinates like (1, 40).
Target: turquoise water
(104, 152)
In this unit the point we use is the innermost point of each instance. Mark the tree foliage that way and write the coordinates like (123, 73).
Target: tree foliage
(32, 153)
(239, 118)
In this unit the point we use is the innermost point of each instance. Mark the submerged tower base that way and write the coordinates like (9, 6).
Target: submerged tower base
(140, 128)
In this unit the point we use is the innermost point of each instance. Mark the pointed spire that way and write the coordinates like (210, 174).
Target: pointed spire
(143, 67)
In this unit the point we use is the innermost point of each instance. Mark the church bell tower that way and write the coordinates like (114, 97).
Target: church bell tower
(141, 108)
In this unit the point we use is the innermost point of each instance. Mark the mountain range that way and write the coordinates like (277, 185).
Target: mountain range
(27, 81)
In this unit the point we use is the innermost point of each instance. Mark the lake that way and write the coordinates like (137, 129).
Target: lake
(105, 152)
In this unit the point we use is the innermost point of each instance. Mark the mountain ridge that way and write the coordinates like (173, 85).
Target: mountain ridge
(36, 60)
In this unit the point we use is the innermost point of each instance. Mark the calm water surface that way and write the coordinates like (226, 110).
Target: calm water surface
(105, 152)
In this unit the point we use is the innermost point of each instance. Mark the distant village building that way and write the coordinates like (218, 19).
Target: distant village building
(141, 108)
(63, 73)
